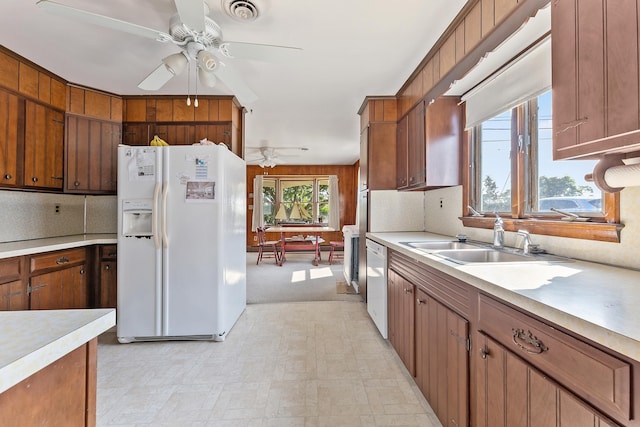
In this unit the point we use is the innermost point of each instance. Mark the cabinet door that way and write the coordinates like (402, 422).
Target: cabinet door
(512, 393)
(73, 286)
(136, 134)
(91, 155)
(108, 284)
(443, 134)
(442, 368)
(44, 145)
(10, 155)
(45, 292)
(402, 153)
(416, 145)
(381, 163)
(13, 296)
(401, 318)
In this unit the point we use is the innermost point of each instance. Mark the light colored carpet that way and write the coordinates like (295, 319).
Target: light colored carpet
(296, 281)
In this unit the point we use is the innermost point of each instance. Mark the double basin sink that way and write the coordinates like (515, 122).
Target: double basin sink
(476, 252)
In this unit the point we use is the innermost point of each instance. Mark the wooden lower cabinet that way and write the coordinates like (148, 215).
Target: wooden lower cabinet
(400, 303)
(442, 367)
(108, 277)
(511, 393)
(62, 394)
(59, 280)
(13, 288)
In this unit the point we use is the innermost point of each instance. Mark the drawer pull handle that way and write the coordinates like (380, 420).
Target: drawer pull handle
(62, 260)
(112, 254)
(533, 344)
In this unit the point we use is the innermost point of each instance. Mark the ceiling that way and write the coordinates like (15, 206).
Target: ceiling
(350, 49)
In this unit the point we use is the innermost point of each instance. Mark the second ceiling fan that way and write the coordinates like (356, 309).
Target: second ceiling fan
(200, 39)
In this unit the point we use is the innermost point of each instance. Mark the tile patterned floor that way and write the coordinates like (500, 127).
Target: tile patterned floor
(311, 364)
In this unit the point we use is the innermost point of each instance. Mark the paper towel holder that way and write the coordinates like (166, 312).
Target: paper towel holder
(605, 163)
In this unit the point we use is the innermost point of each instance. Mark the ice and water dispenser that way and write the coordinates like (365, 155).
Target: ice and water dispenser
(137, 218)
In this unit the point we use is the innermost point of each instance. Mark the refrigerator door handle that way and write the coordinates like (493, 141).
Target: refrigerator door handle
(154, 227)
(165, 240)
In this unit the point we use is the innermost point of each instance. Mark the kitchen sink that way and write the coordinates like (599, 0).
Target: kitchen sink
(440, 245)
(466, 253)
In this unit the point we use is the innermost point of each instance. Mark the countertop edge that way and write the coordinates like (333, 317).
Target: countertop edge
(30, 247)
(22, 368)
(618, 342)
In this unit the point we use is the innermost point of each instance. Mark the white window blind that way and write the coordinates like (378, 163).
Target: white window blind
(524, 78)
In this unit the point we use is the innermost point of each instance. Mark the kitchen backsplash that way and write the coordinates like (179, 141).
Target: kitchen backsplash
(26, 215)
(444, 207)
(396, 210)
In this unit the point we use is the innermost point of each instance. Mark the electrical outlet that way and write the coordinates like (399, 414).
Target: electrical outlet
(441, 203)
(57, 210)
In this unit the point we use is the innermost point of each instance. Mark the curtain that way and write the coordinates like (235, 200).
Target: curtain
(258, 203)
(334, 202)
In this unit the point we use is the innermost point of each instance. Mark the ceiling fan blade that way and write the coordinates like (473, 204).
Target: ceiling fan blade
(239, 88)
(104, 21)
(192, 14)
(156, 79)
(260, 52)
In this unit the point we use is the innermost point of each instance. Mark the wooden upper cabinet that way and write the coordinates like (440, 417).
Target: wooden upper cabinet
(402, 155)
(43, 146)
(378, 144)
(416, 146)
(91, 155)
(10, 139)
(596, 78)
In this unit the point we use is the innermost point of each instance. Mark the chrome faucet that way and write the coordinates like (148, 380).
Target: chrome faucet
(498, 232)
(526, 241)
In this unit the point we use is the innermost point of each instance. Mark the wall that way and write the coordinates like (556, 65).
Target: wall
(445, 221)
(347, 184)
(27, 215)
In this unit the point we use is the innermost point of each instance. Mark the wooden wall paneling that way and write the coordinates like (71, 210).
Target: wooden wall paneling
(44, 88)
(488, 16)
(97, 105)
(28, 84)
(135, 110)
(201, 114)
(460, 50)
(502, 8)
(346, 183)
(116, 109)
(390, 107)
(75, 100)
(225, 110)
(473, 27)
(448, 54)
(364, 115)
(164, 110)
(181, 111)
(58, 94)
(214, 110)
(9, 70)
(427, 77)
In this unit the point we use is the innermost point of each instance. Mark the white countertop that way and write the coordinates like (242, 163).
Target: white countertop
(28, 247)
(599, 302)
(31, 340)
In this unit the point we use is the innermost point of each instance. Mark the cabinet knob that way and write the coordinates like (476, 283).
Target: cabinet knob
(82, 271)
(107, 267)
(7, 176)
(34, 179)
(76, 183)
(419, 301)
(407, 290)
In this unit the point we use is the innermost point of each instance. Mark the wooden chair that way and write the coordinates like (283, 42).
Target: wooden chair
(333, 254)
(272, 246)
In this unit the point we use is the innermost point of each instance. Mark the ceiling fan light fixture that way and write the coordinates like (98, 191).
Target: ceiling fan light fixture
(241, 10)
(175, 63)
(207, 60)
(207, 78)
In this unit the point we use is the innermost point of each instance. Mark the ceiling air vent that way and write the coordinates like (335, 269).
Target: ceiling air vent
(241, 10)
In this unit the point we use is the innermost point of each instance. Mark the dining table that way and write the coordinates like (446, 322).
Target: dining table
(303, 244)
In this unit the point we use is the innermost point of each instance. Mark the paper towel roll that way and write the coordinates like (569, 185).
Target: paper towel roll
(612, 173)
(623, 176)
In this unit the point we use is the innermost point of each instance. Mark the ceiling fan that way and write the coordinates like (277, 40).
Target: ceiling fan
(200, 39)
(270, 158)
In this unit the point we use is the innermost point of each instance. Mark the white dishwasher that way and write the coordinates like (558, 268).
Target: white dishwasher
(377, 285)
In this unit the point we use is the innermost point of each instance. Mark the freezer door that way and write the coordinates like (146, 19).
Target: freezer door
(139, 254)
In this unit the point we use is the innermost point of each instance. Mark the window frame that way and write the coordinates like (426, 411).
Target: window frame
(602, 228)
(315, 185)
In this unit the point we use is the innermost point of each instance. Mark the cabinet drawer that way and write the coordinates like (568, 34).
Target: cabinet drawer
(58, 259)
(9, 270)
(108, 251)
(599, 378)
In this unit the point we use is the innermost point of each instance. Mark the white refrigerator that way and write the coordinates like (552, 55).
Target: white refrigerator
(181, 242)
